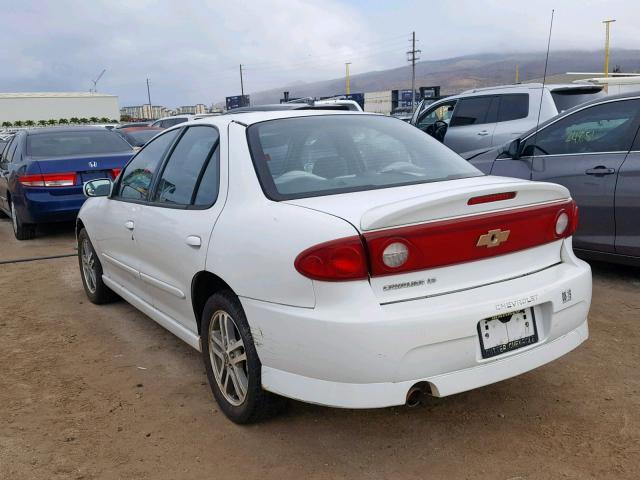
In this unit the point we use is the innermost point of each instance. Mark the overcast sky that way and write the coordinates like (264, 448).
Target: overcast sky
(191, 50)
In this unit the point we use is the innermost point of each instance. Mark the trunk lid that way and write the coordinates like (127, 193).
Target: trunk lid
(450, 231)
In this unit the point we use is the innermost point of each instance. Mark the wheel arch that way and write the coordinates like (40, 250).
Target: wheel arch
(203, 285)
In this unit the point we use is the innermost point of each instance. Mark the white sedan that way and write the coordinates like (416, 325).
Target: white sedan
(338, 258)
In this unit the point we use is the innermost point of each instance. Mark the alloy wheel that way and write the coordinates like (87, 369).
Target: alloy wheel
(228, 358)
(88, 259)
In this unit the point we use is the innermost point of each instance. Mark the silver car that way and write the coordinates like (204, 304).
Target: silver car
(485, 117)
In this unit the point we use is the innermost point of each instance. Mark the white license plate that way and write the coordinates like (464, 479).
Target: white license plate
(506, 332)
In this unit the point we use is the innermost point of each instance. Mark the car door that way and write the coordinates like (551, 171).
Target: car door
(512, 121)
(628, 203)
(174, 228)
(584, 151)
(117, 231)
(440, 111)
(472, 124)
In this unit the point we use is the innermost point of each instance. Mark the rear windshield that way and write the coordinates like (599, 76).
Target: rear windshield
(324, 155)
(566, 99)
(62, 144)
(139, 138)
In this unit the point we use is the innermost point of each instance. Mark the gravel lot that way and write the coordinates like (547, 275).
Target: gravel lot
(103, 392)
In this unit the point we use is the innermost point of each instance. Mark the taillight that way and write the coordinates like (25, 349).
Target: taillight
(115, 172)
(49, 180)
(337, 260)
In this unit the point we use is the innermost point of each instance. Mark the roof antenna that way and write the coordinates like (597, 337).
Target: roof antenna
(544, 81)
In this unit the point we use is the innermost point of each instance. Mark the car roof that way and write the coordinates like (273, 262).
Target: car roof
(247, 118)
(38, 131)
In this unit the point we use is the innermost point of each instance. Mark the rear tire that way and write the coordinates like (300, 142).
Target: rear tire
(232, 363)
(91, 272)
(22, 231)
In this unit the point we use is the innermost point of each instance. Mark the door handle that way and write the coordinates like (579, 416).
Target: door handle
(600, 170)
(129, 225)
(194, 241)
(483, 133)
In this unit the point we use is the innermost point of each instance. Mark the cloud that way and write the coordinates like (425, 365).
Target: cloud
(191, 49)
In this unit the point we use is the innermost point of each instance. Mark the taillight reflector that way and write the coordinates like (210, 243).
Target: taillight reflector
(337, 260)
(494, 197)
(115, 172)
(49, 180)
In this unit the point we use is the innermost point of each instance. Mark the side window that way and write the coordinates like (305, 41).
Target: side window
(609, 127)
(513, 107)
(138, 174)
(442, 113)
(11, 151)
(210, 181)
(472, 111)
(184, 168)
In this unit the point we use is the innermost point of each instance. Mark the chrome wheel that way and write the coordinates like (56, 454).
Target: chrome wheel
(88, 259)
(228, 358)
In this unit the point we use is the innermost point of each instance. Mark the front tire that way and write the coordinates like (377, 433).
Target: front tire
(91, 272)
(22, 231)
(232, 363)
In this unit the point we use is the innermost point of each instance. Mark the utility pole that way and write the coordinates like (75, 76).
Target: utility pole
(149, 98)
(517, 73)
(348, 86)
(241, 82)
(606, 47)
(412, 58)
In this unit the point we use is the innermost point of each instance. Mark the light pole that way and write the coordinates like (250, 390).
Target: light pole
(348, 85)
(606, 46)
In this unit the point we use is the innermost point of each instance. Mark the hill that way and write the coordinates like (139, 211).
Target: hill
(460, 73)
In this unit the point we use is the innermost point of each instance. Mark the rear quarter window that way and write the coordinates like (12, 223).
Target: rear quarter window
(566, 99)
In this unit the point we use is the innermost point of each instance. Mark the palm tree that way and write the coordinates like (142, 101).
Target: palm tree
(29, 123)
(104, 120)
(52, 121)
(18, 123)
(113, 120)
(42, 122)
(84, 120)
(7, 124)
(94, 119)
(74, 120)
(63, 121)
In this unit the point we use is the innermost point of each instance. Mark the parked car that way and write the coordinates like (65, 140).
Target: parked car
(167, 122)
(42, 171)
(594, 151)
(137, 136)
(486, 117)
(339, 258)
(133, 125)
(301, 104)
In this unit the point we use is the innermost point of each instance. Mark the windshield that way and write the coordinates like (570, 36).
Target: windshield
(89, 142)
(323, 155)
(566, 99)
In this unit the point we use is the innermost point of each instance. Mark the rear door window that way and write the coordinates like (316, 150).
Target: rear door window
(472, 111)
(513, 107)
(185, 167)
(137, 176)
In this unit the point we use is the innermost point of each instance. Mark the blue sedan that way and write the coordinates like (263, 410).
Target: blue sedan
(42, 172)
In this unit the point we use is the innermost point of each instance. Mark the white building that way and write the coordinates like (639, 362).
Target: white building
(57, 105)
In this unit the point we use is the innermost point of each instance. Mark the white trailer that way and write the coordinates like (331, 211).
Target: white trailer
(380, 102)
(57, 105)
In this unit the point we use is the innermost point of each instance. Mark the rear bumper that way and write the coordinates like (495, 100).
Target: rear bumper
(353, 352)
(44, 206)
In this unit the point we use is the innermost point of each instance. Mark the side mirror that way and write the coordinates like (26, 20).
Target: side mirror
(98, 188)
(513, 149)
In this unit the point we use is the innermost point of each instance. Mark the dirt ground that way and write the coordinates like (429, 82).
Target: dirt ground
(104, 392)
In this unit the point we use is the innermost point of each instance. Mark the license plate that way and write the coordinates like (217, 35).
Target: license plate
(506, 332)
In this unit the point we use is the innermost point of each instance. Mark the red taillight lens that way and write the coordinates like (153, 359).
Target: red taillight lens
(49, 180)
(338, 260)
(494, 197)
(115, 172)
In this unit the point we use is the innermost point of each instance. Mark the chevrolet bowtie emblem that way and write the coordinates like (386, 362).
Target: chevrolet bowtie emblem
(493, 238)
